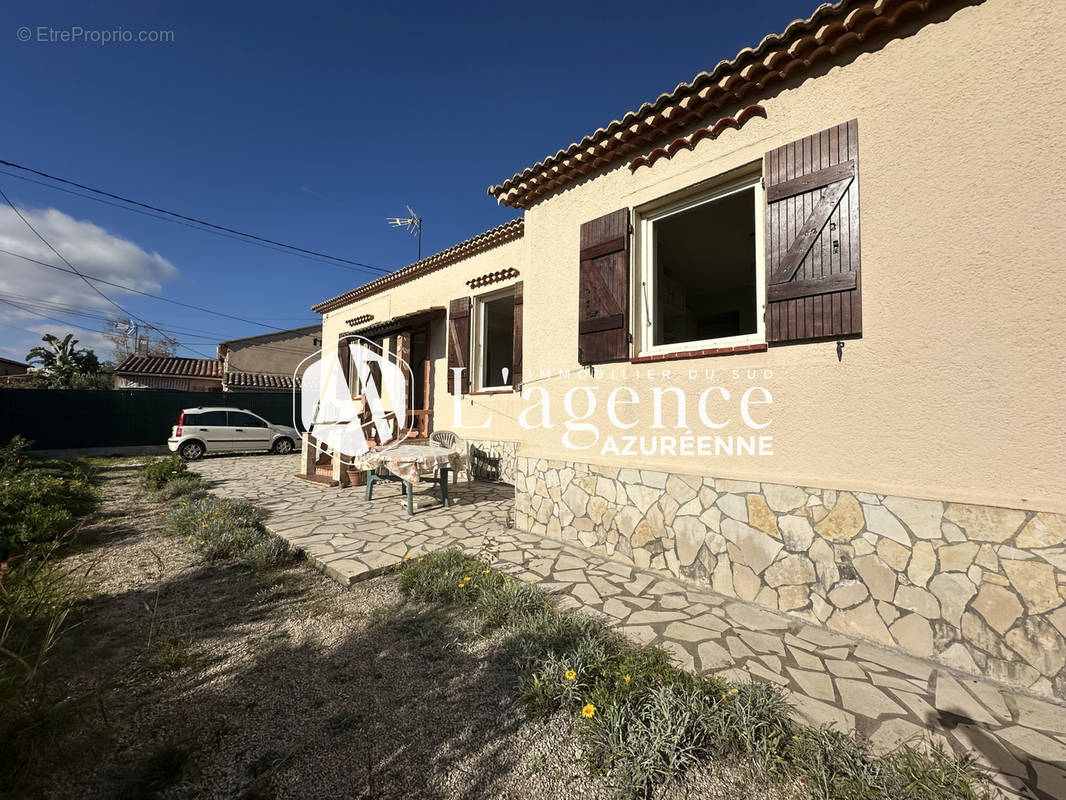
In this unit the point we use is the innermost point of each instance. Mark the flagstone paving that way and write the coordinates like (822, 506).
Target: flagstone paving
(831, 678)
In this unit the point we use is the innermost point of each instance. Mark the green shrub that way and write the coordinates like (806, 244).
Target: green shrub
(223, 528)
(158, 473)
(13, 454)
(39, 505)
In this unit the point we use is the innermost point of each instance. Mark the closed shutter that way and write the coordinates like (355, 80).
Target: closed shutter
(603, 314)
(813, 287)
(459, 343)
(516, 353)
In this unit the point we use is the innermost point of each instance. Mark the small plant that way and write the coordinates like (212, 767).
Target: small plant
(13, 454)
(188, 486)
(644, 722)
(156, 475)
(224, 529)
(169, 655)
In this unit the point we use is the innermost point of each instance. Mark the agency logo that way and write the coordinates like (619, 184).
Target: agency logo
(352, 398)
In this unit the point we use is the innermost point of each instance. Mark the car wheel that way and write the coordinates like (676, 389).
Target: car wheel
(191, 451)
(283, 446)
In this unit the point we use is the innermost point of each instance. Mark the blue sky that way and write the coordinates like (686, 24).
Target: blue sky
(309, 123)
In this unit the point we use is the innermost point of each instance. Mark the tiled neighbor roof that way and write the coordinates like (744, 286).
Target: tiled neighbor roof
(830, 30)
(204, 368)
(501, 234)
(171, 366)
(256, 380)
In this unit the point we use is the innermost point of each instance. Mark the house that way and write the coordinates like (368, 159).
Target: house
(790, 332)
(254, 363)
(9, 368)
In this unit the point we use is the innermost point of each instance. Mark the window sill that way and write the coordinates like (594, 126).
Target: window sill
(490, 391)
(715, 351)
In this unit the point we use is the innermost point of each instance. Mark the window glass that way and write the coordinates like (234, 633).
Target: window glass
(190, 419)
(238, 419)
(497, 341)
(704, 271)
(207, 418)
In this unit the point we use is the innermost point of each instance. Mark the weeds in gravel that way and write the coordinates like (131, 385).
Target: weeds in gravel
(644, 723)
(156, 474)
(174, 653)
(223, 529)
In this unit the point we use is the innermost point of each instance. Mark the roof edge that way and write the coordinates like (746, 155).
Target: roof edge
(501, 234)
(831, 29)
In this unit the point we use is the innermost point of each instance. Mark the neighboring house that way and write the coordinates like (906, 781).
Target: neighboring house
(167, 372)
(255, 363)
(271, 354)
(9, 367)
(710, 243)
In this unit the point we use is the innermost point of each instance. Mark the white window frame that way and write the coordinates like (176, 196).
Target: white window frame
(645, 294)
(478, 330)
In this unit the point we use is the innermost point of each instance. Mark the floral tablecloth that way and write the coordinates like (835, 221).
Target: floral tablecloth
(409, 461)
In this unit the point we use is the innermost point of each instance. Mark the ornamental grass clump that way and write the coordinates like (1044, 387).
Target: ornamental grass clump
(644, 723)
(226, 529)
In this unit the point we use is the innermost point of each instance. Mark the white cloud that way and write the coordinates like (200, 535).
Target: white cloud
(88, 247)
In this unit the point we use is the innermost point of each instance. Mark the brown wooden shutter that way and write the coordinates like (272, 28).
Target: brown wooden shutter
(813, 286)
(516, 353)
(459, 343)
(603, 313)
(344, 356)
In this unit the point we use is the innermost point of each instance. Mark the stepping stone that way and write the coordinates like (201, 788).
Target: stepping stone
(815, 712)
(713, 656)
(845, 669)
(813, 684)
(763, 642)
(866, 699)
(951, 697)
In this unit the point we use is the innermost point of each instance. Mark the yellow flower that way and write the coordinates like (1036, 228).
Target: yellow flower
(420, 561)
(466, 578)
(589, 711)
(626, 678)
(486, 572)
(405, 558)
(462, 585)
(570, 675)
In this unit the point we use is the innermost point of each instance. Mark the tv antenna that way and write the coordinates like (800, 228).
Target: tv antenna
(413, 224)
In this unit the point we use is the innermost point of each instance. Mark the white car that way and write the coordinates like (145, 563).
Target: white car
(216, 430)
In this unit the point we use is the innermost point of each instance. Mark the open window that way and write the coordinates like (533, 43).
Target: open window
(495, 331)
(702, 274)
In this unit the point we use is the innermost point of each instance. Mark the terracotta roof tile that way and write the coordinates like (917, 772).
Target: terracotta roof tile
(501, 234)
(159, 365)
(256, 380)
(830, 30)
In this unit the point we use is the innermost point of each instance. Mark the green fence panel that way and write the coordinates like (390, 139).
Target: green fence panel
(71, 418)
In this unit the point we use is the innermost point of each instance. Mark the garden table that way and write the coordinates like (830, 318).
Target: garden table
(406, 464)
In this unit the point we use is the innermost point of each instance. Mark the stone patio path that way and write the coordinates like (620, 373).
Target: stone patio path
(831, 678)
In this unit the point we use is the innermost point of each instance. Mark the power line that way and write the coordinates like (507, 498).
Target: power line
(162, 218)
(74, 269)
(194, 220)
(138, 291)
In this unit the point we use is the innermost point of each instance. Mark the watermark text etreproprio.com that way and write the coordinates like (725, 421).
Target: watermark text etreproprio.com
(76, 34)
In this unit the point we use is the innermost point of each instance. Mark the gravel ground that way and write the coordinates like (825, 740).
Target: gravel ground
(196, 679)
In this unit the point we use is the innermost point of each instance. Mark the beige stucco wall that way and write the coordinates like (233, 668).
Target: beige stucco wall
(956, 390)
(274, 354)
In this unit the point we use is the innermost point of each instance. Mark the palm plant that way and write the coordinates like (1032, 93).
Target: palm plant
(62, 361)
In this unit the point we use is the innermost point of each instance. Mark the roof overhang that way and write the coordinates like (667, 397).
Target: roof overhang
(501, 234)
(831, 30)
(413, 319)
